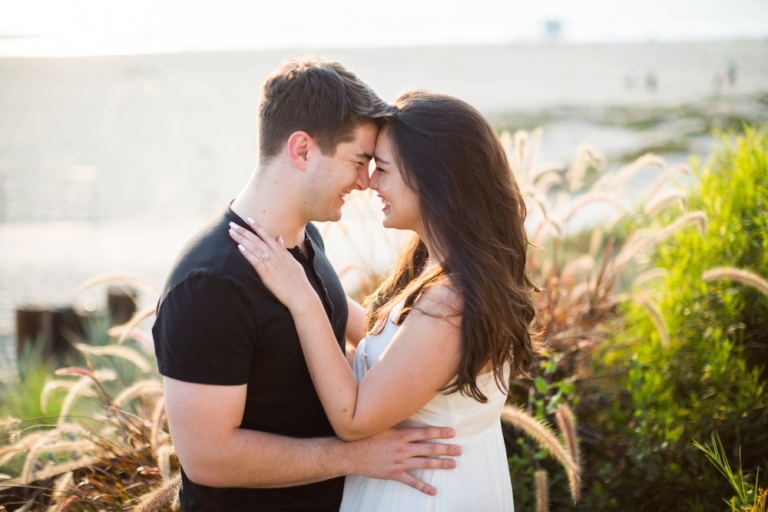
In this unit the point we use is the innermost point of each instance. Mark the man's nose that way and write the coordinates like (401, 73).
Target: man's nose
(362, 179)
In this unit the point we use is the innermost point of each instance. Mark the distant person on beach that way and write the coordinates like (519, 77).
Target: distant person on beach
(732, 72)
(651, 82)
(247, 424)
(447, 329)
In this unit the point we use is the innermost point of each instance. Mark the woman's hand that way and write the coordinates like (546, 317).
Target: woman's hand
(277, 268)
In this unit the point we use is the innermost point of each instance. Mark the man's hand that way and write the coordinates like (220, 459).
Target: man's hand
(390, 454)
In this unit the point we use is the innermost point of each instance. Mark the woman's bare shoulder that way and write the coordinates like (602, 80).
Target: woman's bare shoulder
(441, 299)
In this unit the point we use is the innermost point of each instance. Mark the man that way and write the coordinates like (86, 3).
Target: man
(246, 422)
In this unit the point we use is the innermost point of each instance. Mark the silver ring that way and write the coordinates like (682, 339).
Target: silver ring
(264, 257)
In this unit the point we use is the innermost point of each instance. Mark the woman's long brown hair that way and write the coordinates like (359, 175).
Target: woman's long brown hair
(473, 212)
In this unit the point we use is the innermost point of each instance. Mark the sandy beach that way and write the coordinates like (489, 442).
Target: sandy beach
(173, 137)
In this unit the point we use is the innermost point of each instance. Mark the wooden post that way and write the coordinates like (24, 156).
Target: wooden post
(56, 329)
(33, 324)
(121, 303)
(67, 328)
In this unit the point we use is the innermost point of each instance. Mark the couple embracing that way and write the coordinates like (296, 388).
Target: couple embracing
(265, 410)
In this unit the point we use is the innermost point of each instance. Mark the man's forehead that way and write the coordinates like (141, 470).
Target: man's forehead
(364, 141)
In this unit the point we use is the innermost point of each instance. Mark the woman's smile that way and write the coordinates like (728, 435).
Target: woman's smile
(385, 203)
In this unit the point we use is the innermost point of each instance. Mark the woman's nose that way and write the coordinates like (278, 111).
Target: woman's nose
(373, 181)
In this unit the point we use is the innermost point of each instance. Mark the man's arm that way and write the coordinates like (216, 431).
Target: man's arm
(204, 421)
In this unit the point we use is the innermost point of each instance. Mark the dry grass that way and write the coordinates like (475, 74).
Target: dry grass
(581, 286)
(542, 491)
(738, 275)
(122, 456)
(544, 435)
(104, 453)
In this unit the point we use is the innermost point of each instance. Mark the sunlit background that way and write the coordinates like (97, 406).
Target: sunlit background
(124, 126)
(93, 27)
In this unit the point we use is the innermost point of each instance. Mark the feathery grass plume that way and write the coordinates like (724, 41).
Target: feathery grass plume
(50, 387)
(15, 448)
(33, 455)
(157, 422)
(739, 275)
(549, 179)
(134, 322)
(653, 207)
(76, 447)
(541, 433)
(681, 168)
(516, 160)
(586, 157)
(656, 317)
(649, 275)
(595, 241)
(144, 387)
(626, 172)
(8, 423)
(538, 171)
(689, 219)
(542, 491)
(161, 497)
(77, 390)
(576, 293)
(592, 197)
(163, 458)
(637, 243)
(537, 199)
(506, 141)
(125, 353)
(602, 183)
(532, 150)
(585, 264)
(540, 235)
(51, 471)
(59, 492)
(136, 333)
(119, 278)
(567, 425)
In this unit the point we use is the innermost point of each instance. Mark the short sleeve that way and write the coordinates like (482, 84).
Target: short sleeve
(205, 332)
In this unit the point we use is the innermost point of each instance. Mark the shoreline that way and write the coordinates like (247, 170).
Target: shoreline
(312, 50)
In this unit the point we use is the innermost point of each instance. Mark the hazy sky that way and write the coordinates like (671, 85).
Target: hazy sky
(83, 27)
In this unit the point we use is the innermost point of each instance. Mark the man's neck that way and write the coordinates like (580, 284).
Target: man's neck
(272, 205)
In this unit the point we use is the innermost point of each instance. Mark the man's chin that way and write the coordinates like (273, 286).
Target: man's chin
(333, 216)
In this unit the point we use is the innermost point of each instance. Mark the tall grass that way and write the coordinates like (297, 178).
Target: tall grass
(97, 436)
(106, 444)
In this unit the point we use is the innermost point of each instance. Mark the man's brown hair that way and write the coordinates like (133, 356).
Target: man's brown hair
(318, 96)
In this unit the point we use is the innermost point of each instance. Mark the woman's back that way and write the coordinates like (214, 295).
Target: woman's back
(480, 481)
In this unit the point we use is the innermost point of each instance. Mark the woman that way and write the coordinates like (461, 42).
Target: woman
(448, 328)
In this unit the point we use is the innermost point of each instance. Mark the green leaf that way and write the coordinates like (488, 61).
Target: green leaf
(541, 385)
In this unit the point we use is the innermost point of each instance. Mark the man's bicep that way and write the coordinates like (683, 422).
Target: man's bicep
(205, 332)
(202, 418)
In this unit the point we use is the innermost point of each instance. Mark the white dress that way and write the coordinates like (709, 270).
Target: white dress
(479, 483)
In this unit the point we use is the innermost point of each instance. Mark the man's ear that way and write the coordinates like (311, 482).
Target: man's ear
(299, 145)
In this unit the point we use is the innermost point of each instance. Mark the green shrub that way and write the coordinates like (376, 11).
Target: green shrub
(711, 372)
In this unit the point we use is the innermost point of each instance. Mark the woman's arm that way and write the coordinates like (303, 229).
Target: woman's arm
(355, 322)
(421, 359)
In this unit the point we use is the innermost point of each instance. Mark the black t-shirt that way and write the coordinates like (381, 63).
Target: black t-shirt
(218, 324)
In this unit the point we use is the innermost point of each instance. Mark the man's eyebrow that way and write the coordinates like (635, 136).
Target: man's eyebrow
(380, 160)
(367, 156)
